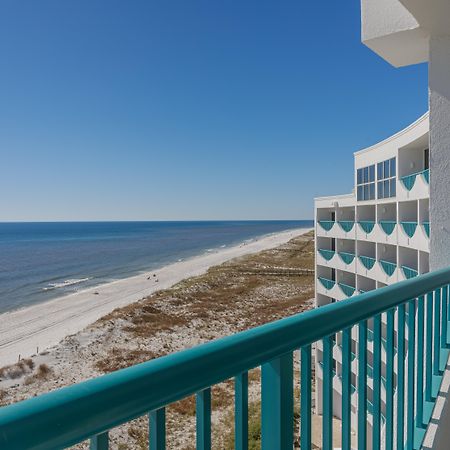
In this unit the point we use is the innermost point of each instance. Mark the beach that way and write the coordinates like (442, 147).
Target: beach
(33, 329)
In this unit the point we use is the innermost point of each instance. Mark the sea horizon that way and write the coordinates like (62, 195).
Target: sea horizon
(42, 260)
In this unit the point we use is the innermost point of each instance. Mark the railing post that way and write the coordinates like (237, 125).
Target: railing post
(390, 344)
(429, 348)
(305, 398)
(420, 361)
(157, 429)
(327, 417)
(362, 385)
(411, 369)
(444, 317)
(346, 389)
(277, 395)
(401, 377)
(100, 442)
(376, 367)
(241, 412)
(203, 407)
(436, 329)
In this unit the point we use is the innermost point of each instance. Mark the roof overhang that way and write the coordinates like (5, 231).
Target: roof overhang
(399, 30)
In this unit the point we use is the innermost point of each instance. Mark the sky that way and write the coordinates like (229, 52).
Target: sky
(188, 110)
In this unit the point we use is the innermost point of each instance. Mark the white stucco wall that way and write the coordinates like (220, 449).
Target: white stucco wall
(439, 81)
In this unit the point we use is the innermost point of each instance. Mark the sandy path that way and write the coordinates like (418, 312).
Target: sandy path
(24, 331)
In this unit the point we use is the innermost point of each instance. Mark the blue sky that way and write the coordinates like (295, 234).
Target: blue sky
(141, 110)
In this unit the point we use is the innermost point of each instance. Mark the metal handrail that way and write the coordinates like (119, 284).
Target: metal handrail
(72, 414)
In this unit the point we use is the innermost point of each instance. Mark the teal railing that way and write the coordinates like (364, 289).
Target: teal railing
(367, 261)
(90, 409)
(388, 267)
(347, 289)
(409, 273)
(409, 180)
(409, 228)
(327, 225)
(347, 257)
(326, 283)
(367, 225)
(327, 254)
(426, 227)
(388, 226)
(346, 225)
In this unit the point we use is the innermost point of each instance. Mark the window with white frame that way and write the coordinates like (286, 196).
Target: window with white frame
(365, 183)
(386, 176)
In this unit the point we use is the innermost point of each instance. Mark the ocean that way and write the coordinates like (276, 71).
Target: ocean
(40, 261)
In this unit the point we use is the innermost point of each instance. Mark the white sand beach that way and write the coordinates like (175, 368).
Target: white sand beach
(33, 329)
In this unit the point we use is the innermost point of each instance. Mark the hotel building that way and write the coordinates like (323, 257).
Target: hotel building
(375, 236)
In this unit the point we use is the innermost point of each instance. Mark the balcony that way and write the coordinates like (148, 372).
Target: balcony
(409, 273)
(347, 289)
(326, 254)
(367, 261)
(409, 180)
(409, 228)
(367, 225)
(388, 267)
(326, 283)
(388, 226)
(403, 394)
(346, 257)
(346, 225)
(326, 225)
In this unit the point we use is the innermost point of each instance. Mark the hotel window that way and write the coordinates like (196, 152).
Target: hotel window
(386, 178)
(365, 183)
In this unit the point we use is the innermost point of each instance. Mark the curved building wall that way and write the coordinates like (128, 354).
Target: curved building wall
(378, 234)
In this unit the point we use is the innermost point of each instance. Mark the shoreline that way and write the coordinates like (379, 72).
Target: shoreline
(33, 329)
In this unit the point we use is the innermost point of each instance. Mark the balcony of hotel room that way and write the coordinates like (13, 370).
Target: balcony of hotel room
(334, 284)
(326, 251)
(411, 232)
(366, 220)
(408, 263)
(345, 226)
(345, 258)
(386, 228)
(326, 222)
(386, 270)
(366, 255)
(413, 170)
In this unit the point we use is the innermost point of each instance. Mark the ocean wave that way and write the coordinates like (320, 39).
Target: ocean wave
(65, 283)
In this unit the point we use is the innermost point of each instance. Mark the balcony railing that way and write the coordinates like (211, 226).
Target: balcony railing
(346, 225)
(327, 254)
(326, 283)
(327, 225)
(388, 226)
(409, 273)
(347, 289)
(409, 180)
(90, 409)
(367, 225)
(388, 267)
(409, 228)
(347, 257)
(426, 227)
(367, 261)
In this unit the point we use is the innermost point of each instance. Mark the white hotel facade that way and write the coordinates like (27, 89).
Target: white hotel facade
(375, 236)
